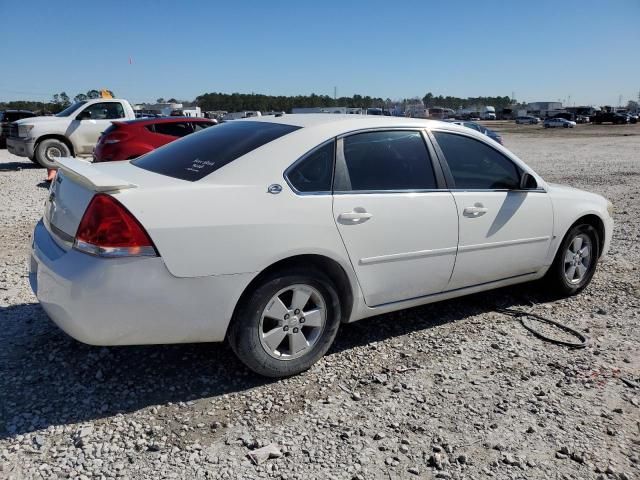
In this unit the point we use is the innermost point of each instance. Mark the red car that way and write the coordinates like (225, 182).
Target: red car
(130, 139)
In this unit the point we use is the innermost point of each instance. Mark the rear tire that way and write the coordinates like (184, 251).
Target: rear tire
(575, 262)
(287, 323)
(49, 150)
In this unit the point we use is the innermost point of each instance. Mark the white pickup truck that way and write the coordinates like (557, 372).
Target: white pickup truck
(73, 132)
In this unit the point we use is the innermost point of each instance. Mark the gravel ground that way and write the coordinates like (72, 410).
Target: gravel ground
(450, 390)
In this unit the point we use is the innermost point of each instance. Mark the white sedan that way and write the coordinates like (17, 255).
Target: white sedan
(558, 122)
(270, 232)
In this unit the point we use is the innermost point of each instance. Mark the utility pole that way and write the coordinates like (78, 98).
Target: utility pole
(335, 93)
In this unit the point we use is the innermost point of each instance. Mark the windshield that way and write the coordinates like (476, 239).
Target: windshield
(70, 109)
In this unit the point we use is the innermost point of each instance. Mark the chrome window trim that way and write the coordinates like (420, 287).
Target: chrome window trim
(387, 192)
(533, 190)
(302, 157)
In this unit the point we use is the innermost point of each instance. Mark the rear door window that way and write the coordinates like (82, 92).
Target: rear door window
(173, 129)
(197, 156)
(386, 161)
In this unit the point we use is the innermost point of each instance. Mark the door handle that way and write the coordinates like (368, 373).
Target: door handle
(357, 215)
(476, 211)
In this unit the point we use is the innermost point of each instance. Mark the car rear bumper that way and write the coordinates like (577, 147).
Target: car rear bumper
(21, 147)
(128, 301)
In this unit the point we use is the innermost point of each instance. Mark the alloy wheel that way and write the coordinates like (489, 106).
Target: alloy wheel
(577, 259)
(292, 322)
(53, 153)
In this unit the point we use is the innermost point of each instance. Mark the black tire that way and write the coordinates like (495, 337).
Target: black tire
(33, 159)
(244, 335)
(50, 149)
(556, 280)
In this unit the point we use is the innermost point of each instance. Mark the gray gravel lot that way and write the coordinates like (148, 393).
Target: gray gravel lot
(450, 390)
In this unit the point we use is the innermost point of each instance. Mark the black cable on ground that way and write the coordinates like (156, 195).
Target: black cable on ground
(584, 340)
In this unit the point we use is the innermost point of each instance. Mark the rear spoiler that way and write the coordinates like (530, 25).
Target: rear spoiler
(89, 175)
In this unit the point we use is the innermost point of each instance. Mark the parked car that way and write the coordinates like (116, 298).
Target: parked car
(583, 119)
(130, 139)
(72, 132)
(630, 117)
(527, 120)
(610, 117)
(566, 115)
(558, 122)
(260, 232)
(6, 118)
(482, 129)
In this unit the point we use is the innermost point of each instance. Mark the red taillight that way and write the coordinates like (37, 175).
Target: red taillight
(108, 229)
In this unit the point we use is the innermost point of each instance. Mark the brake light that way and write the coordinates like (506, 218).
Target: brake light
(108, 229)
(114, 134)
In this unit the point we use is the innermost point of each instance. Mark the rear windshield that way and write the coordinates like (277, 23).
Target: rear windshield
(198, 155)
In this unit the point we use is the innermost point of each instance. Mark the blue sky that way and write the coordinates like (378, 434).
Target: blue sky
(541, 50)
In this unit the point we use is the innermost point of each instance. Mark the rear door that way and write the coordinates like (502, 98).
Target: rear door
(90, 122)
(504, 231)
(400, 228)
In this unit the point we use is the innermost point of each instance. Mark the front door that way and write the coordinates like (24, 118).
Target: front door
(399, 228)
(504, 231)
(89, 124)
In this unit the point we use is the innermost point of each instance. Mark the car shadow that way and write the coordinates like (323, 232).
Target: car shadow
(15, 166)
(47, 378)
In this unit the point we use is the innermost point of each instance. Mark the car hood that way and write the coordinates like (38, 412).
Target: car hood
(37, 120)
(556, 189)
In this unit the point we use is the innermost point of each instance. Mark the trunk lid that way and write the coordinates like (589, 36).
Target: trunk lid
(75, 185)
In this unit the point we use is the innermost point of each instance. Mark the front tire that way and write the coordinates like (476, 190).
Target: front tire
(287, 323)
(575, 262)
(49, 150)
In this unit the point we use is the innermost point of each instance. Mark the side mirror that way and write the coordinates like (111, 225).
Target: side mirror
(528, 182)
(84, 115)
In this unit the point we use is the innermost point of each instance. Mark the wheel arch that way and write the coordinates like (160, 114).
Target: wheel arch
(596, 222)
(55, 136)
(328, 266)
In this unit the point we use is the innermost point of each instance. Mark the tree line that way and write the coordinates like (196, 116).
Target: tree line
(235, 102)
(244, 101)
(431, 100)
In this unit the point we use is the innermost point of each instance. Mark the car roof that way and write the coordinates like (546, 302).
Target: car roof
(328, 125)
(346, 122)
(150, 120)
